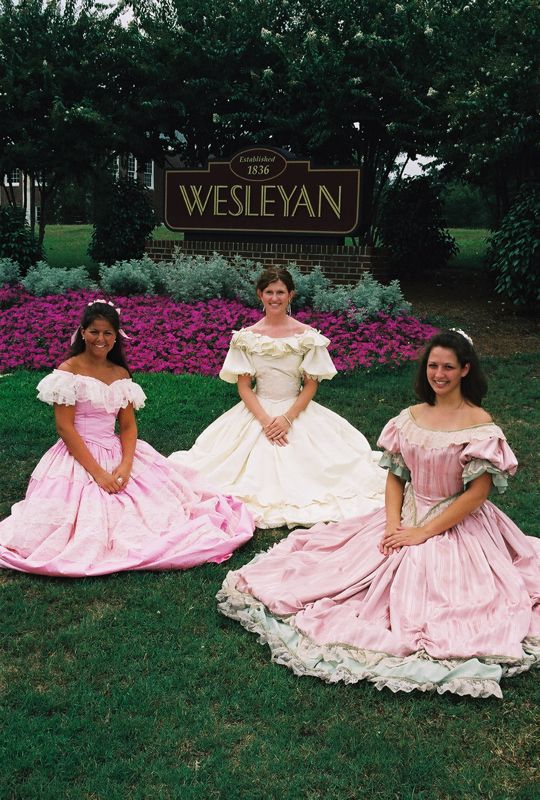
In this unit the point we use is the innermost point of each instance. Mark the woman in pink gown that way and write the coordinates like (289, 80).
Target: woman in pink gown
(437, 591)
(98, 502)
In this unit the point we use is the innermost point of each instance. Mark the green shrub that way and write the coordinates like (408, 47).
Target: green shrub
(335, 299)
(514, 250)
(191, 278)
(365, 299)
(412, 227)
(17, 240)
(309, 286)
(9, 271)
(42, 279)
(138, 276)
(123, 220)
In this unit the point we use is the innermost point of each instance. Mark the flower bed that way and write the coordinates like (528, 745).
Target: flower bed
(179, 337)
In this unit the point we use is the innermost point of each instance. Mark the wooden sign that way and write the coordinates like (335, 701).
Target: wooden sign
(261, 191)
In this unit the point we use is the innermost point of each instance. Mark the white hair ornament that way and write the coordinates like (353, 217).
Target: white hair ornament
(465, 335)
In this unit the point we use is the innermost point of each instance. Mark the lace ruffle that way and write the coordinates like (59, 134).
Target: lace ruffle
(310, 345)
(253, 342)
(435, 440)
(477, 467)
(396, 464)
(66, 389)
(338, 662)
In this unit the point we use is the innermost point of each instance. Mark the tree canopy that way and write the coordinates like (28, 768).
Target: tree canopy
(339, 81)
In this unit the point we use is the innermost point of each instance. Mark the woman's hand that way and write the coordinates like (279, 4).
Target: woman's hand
(121, 475)
(397, 537)
(276, 431)
(107, 481)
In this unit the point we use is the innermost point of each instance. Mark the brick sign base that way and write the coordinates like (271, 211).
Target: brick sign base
(340, 264)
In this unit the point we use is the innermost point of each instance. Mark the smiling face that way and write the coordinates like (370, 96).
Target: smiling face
(444, 372)
(99, 337)
(275, 298)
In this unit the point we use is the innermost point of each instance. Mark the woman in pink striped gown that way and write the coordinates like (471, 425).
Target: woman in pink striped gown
(439, 590)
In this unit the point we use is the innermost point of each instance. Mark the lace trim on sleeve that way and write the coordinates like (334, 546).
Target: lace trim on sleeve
(395, 464)
(59, 387)
(478, 466)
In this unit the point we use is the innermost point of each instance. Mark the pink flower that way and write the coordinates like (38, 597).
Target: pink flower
(181, 337)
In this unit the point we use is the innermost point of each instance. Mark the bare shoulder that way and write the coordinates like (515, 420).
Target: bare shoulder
(302, 326)
(418, 408)
(120, 373)
(478, 416)
(68, 366)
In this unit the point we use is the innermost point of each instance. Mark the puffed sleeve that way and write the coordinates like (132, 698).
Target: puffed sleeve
(316, 362)
(389, 442)
(492, 455)
(134, 394)
(238, 360)
(58, 387)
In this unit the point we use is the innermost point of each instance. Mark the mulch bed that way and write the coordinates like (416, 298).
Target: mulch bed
(467, 300)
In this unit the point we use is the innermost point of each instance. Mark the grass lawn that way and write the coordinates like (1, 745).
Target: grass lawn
(133, 687)
(67, 245)
(472, 247)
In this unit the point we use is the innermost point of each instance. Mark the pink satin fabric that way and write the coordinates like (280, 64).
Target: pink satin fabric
(471, 591)
(163, 519)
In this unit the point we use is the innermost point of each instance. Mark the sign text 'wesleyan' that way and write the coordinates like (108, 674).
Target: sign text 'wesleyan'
(260, 190)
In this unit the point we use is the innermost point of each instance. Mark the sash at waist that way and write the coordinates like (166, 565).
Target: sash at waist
(417, 510)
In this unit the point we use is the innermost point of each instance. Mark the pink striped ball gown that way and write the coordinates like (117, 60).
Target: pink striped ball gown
(453, 614)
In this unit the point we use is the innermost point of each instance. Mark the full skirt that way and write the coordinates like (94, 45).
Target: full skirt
(327, 472)
(454, 614)
(163, 518)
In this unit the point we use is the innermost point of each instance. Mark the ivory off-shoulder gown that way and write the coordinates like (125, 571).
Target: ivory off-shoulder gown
(326, 472)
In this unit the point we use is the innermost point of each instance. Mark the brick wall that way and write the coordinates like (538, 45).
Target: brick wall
(340, 264)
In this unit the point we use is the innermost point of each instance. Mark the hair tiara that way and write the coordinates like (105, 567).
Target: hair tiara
(465, 335)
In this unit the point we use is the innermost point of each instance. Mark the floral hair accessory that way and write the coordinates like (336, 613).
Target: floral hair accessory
(106, 303)
(122, 333)
(465, 335)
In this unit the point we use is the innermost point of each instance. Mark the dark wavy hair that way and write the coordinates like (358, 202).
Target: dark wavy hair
(110, 314)
(473, 385)
(273, 274)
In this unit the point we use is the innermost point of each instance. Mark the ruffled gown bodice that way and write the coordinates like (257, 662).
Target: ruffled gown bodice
(164, 518)
(326, 472)
(452, 614)
(438, 465)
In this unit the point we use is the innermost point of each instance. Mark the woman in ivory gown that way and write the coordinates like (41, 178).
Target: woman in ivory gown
(438, 591)
(98, 502)
(289, 459)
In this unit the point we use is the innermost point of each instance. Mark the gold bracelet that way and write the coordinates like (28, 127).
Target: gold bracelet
(288, 420)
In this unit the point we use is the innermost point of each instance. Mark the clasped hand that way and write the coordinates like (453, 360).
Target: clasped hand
(397, 536)
(276, 431)
(112, 482)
